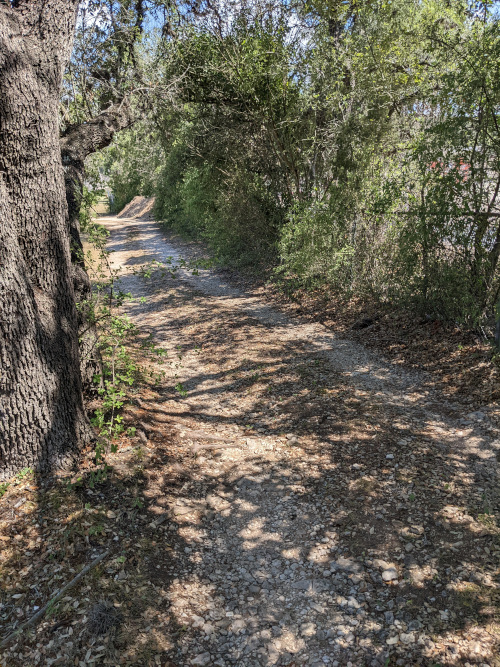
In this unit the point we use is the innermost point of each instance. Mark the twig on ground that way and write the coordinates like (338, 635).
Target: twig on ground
(57, 597)
(215, 445)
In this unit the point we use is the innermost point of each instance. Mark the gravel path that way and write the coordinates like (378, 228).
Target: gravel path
(333, 512)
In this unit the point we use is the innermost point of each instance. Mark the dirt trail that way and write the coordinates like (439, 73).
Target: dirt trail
(331, 511)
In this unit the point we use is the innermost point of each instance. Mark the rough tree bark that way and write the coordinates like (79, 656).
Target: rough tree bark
(77, 143)
(42, 416)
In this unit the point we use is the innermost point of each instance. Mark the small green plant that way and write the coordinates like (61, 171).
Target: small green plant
(98, 476)
(98, 529)
(22, 474)
(137, 503)
(119, 372)
(179, 388)
(99, 452)
(73, 485)
(3, 489)
(158, 378)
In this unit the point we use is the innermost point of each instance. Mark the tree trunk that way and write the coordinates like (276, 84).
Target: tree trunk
(42, 416)
(77, 143)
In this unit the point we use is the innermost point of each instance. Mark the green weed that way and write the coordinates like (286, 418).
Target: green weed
(180, 389)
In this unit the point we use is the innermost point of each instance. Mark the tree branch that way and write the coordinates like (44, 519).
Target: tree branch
(80, 141)
(57, 597)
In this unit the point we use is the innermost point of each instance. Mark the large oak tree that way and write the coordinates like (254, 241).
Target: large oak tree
(42, 418)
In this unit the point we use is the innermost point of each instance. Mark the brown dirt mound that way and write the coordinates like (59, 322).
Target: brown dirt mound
(139, 207)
